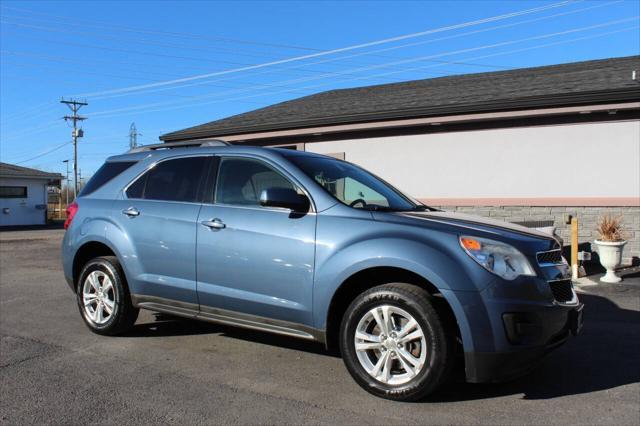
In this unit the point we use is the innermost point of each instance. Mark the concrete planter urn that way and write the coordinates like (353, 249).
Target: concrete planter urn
(610, 253)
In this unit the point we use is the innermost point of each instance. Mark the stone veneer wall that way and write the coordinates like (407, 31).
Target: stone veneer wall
(587, 219)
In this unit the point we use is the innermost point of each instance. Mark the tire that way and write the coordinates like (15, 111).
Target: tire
(111, 291)
(430, 344)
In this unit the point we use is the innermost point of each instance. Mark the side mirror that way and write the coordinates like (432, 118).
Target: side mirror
(285, 198)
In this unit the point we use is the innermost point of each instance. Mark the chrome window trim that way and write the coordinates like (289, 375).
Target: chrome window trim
(258, 208)
(278, 168)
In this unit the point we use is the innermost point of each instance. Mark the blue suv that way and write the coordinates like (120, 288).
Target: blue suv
(317, 248)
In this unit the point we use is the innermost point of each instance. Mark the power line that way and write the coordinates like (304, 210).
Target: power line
(44, 153)
(82, 73)
(136, 40)
(460, 51)
(473, 58)
(128, 77)
(26, 112)
(285, 91)
(504, 43)
(33, 130)
(464, 34)
(94, 24)
(79, 71)
(330, 52)
(200, 59)
(139, 52)
(255, 54)
(374, 52)
(296, 69)
(392, 64)
(428, 41)
(573, 40)
(75, 61)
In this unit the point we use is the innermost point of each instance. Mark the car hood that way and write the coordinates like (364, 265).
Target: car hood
(483, 223)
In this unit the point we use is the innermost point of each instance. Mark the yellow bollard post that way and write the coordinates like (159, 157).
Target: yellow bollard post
(574, 248)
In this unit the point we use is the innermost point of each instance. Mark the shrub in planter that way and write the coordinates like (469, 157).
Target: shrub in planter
(610, 245)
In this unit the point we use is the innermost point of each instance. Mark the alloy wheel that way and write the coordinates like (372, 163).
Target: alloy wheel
(390, 345)
(98, 297)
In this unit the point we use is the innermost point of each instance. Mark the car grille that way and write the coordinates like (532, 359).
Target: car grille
(551, 256)
(562, 290)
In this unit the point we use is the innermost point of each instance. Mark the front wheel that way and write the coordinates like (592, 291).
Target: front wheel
(394, 344)
(103, 297)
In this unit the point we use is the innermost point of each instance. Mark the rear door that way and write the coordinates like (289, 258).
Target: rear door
(251, 259)
(159, 213)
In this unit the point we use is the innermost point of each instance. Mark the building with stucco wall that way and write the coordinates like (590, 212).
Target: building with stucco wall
(520, 145)
(24, 195)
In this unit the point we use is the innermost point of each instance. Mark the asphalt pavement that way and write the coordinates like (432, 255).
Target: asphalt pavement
(168, 370)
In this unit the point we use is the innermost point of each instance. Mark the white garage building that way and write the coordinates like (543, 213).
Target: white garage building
(23, 195)
(527, 144)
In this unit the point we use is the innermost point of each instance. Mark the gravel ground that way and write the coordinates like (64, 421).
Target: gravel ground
(54, 370)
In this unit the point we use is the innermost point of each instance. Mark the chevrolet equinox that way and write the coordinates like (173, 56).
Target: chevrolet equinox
(317, 248)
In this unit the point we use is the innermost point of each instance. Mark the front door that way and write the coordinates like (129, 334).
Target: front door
(251, 259)
(159, 213)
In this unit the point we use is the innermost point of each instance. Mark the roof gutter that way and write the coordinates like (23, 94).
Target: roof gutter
(42, 177)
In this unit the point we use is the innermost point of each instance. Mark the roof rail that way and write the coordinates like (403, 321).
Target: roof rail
(171, 145)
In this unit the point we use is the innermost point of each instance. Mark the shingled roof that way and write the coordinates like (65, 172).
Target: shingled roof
(578, 83)
(12, 171)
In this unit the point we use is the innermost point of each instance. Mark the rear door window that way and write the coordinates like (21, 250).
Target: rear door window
(104, 174)
(171, 180)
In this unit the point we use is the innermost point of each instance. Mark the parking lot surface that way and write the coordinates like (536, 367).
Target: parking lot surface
(168, 370)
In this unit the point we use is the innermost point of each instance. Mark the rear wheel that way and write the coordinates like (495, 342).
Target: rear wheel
(394, 344)
(103, 297)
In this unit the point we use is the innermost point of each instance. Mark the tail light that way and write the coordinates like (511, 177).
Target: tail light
(71, 211)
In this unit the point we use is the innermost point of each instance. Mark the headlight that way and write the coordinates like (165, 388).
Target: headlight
(496, 257)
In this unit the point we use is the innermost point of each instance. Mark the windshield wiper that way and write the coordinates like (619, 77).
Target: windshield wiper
(423, 208)
(378, 208)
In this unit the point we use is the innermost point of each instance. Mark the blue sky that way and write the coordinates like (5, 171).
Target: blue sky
(93, 49)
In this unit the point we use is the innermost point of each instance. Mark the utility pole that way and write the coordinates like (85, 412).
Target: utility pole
(75, 106)
(67, 182)
(133, 136)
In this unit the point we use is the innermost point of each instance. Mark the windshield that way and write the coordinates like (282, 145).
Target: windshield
(354, 186)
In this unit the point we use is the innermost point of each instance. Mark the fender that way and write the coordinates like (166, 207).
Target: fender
(355, 244)
(335, 265)
(86, 227)
(126, 253)
(103, 230)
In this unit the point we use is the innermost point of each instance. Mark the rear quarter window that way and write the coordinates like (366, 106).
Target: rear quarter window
(104, 174)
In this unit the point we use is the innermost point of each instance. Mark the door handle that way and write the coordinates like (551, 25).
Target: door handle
(131, 212)
(214, 224)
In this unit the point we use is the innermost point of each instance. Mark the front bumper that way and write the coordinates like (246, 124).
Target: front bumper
(532, 336)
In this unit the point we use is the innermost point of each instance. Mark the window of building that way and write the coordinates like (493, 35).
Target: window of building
(13, 192)
(241, 181)
(171, 180)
